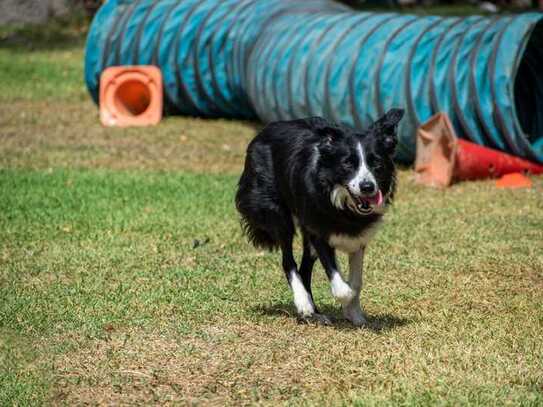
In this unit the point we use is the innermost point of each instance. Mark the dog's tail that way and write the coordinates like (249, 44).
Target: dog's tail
(258, 236)
(255, 220)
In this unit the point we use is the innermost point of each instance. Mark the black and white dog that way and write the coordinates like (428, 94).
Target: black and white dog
(331, 182)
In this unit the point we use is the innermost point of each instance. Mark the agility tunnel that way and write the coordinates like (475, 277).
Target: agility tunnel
(285, 59)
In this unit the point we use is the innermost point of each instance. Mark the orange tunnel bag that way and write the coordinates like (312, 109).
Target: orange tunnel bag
(443, 158)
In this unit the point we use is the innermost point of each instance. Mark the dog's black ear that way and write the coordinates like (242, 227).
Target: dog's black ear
(385, 129)
(389, 143)
(389, 121)
(329, 134)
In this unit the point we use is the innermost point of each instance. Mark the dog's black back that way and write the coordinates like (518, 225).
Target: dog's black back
(290, 170)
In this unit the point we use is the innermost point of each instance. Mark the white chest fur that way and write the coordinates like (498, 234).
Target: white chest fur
(351, 244)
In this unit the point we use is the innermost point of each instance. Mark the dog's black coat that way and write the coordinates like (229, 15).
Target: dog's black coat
(290, 171)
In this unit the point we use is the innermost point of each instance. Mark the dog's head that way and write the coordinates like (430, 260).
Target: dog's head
(357, 168)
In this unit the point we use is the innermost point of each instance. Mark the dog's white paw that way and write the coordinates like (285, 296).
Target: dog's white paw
(353, 313)
(302, 299)
(341, 290)
(304, 307)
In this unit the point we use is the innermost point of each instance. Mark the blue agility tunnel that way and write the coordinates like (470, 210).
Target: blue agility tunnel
(285, 59)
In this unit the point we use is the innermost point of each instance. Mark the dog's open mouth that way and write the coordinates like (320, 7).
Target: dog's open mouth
(366, 204)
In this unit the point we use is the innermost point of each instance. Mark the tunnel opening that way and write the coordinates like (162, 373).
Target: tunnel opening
(528, 89)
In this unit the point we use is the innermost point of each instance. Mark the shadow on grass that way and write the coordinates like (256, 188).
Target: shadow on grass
(376, 323)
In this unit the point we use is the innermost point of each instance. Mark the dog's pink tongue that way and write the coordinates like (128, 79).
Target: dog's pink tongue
(377, 199)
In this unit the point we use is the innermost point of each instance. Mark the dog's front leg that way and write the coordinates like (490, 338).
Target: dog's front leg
(327, 256)
(352, 310)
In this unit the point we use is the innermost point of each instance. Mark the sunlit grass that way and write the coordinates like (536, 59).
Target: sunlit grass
(157, 259)
(124, 277)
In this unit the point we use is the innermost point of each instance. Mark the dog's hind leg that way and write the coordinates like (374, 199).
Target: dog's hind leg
(352, 310)
(302, 297)
(309, 257)
(327, 255)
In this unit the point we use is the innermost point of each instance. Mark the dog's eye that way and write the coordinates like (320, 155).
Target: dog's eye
(374, 161)
(346, 162)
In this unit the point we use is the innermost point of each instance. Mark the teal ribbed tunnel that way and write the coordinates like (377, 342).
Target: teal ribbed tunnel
(285, 59)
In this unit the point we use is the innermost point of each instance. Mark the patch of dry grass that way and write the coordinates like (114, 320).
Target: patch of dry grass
(236, 363)
(40, 135)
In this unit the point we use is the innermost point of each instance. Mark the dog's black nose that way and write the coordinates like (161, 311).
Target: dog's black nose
(368, 187)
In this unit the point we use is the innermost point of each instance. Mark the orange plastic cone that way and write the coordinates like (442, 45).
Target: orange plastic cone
(514, 180)
(442, 158)
(131, 96)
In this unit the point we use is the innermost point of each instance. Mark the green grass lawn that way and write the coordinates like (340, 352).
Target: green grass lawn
(124, 277)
